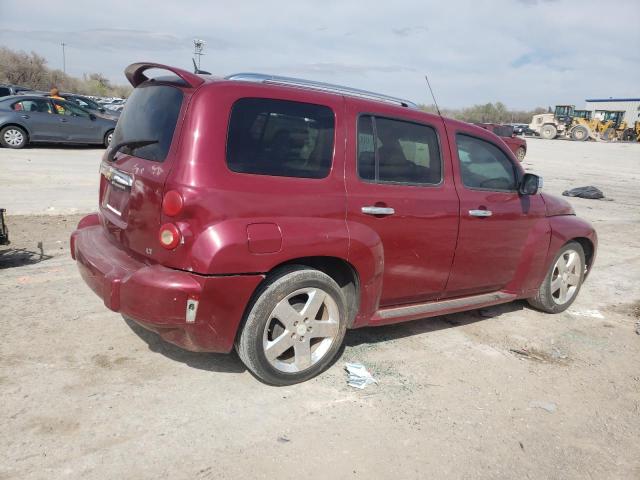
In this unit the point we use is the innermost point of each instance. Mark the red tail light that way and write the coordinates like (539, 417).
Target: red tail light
(172, 203)
(169, 236)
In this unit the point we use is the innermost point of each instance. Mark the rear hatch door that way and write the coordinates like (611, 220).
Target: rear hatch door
(132, 181)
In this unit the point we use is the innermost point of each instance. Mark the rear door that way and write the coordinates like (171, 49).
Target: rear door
(132, 186)
(495, 220)
(39, 117)
(399, 184)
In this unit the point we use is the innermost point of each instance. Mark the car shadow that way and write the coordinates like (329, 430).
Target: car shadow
(211, 362)
(62, 146)
(374, 335)
(19, 257)
(231, 363)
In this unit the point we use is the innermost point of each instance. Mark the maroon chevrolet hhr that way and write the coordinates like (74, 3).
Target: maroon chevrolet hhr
(272, 214)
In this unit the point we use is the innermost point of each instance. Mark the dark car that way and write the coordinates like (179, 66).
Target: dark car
(90, 105)
(519, 128)
(506, 132)
(4, 231)
(8, 89)
(272, 214)
(28, 119)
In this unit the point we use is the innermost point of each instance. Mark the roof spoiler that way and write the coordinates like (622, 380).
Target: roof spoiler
(135, 74)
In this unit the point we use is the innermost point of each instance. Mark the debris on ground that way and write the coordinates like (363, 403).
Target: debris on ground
(547, 406)
(359, 376)
(638, 328)
(586, 313)
(590, 192)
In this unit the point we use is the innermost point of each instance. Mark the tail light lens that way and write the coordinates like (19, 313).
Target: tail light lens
(169, 236)
(172, 203)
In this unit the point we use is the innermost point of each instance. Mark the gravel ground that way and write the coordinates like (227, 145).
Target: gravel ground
(505, 392)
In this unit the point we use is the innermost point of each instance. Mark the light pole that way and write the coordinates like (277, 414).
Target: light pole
(64, 59)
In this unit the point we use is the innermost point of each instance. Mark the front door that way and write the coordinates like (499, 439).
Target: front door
(399, 186)
(75, 124)
(495, 220)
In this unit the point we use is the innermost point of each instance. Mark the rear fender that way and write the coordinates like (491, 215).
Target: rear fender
(366, 254)
(224, 248)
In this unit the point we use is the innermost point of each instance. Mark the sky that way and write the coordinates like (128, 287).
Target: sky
(525, 53)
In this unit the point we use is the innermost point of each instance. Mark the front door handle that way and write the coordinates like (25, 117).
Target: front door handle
(24, 116)
(63, 120)
(480, 213)
(372, 210)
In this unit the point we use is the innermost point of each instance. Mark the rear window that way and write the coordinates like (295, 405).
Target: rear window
(151, 113)
(280, 138)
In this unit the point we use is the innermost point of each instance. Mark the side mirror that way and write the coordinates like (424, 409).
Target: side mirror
(530, 184)
(102, 110)
(92, 116)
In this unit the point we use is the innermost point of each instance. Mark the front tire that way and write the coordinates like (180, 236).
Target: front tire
(562, 283)
(13, 137)
(295, 326)
(107, 138)
(580, 133)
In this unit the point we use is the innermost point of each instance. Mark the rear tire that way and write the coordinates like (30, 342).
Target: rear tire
(520, 153)
(580, 133)
(562, 283)
(13, 137)
(548, 131)
(294, 327)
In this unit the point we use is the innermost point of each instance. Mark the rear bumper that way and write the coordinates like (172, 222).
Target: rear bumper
(156, 296)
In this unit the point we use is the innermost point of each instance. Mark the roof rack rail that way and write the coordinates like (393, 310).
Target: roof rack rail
(320, 86)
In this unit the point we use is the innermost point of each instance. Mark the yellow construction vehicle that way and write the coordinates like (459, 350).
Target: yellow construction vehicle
(632, 134)
(605, 125)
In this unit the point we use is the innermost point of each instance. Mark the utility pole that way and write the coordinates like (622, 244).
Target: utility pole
(64, 59)
(198, 46)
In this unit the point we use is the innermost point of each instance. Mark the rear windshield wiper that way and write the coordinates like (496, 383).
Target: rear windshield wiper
(131, 144)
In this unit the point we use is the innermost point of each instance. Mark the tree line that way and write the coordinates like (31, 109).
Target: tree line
(487, 113)
(31, 70)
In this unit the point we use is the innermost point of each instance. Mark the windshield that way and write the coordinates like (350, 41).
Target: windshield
(151, 113)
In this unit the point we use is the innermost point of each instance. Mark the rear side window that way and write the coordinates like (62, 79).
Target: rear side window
(151, 113)
(484, 166)
(280, 138)
(42, 106)
(395, 151)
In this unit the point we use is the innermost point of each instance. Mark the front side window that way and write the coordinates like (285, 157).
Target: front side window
(42, 106)
(69, 109)
(484, 166)
(395, 151)
(280, 138)
(151, 114)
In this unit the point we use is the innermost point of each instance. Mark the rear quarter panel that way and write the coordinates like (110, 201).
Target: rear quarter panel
(221, 205)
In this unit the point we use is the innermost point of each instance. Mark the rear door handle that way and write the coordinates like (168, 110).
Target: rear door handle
(63, 120)
(480, 213)
(372, 210)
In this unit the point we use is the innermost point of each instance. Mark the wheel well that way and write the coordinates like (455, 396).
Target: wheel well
(344, 274)
(587, 246)
(16, 125)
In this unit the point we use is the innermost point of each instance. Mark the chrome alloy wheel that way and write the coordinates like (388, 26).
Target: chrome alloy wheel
(565, 279)
(13, 137)
(300, 330)
(109, 138)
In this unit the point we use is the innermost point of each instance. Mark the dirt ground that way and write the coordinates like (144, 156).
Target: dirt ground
(506, 392)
